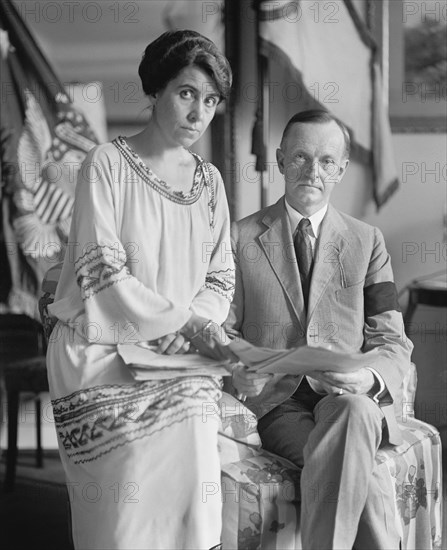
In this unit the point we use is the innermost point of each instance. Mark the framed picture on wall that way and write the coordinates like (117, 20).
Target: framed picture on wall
(417, 64)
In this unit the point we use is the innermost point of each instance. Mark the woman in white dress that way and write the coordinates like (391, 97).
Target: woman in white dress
(148, 259)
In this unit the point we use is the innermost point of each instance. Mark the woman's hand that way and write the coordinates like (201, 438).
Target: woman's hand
(194, 325)
(178, 342)
(173, 343)
(208, 338)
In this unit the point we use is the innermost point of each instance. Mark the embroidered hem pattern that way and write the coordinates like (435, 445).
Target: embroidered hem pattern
(93, 422)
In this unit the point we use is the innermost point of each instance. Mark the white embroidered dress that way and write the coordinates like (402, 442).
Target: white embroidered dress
(141, 459)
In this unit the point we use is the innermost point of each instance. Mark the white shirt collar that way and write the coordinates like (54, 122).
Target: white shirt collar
(315, 220)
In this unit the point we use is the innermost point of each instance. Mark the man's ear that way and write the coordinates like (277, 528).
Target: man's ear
(342, 169)
(280, 160)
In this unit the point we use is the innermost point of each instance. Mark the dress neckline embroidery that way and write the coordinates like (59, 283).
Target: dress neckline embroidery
(157, 183)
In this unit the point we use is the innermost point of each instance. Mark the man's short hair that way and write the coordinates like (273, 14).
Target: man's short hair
(319, 116)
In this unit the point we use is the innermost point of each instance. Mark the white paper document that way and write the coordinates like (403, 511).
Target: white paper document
(144, 363)
(301, 360)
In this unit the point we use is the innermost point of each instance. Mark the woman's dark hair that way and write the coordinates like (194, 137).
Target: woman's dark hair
(171, 52)
(319, 116)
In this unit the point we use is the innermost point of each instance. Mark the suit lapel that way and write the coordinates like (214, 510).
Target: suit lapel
(277, 243)
(330, 249)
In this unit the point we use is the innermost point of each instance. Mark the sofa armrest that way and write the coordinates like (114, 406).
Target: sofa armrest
(409, 391)
(238, 436)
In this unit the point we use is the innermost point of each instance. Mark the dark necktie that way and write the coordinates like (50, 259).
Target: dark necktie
(303, 251)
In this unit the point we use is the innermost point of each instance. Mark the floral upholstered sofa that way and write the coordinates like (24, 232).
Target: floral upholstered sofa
(260, 491)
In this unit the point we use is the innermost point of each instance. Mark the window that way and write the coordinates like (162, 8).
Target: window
(417, 38)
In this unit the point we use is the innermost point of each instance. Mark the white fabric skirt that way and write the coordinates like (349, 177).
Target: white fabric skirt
(142, 464)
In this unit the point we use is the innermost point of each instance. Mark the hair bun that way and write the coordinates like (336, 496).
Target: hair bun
(172, 51)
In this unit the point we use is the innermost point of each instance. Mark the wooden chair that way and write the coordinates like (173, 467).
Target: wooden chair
(23, 368)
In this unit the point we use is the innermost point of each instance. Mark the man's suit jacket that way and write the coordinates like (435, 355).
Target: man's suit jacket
(352, 306)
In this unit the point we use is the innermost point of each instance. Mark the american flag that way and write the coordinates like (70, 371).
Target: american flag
(43, 141)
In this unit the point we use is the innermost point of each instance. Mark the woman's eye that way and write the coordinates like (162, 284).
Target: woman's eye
(186, 94)
(211, 101)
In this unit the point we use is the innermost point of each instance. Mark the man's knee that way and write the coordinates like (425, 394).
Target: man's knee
(352, 407)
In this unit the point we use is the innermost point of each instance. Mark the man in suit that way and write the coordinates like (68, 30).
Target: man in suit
(325, 281)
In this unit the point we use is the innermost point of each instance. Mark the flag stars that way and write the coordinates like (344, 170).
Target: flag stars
(61, 98)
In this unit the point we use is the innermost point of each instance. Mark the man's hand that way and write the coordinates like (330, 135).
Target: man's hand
(249, 383)
(360, 381)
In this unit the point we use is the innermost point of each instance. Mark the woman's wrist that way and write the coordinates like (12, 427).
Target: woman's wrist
(202, 330)
(194, 326)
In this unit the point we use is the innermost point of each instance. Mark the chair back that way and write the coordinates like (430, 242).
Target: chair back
(20, 337)
(49, 285)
